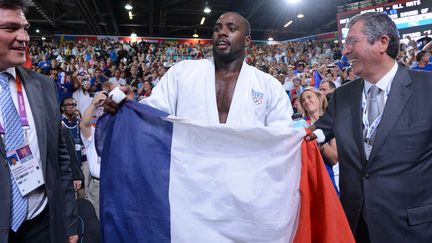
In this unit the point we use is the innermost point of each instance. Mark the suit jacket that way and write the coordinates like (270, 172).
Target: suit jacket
(393, 190)
(63, 218)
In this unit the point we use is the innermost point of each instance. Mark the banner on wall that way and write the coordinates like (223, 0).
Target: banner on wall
(76, 38)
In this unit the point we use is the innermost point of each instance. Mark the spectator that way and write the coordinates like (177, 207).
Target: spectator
(70, 120)
(327, 88)
(45, 64)
(288, 84)
(67, 88)
(97, 81)
(281, 78)
(350, 75)
(133, 74)
(423, 58)
(83, 96)
(314, 104)
(424, 40)
(116, 80)
(297, 89)
(145, 90)
(87, 134)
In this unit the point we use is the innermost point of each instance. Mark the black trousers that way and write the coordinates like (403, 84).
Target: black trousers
(362, 233)
(35, 230)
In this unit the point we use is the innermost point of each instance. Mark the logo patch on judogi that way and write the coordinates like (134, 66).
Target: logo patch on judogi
(257, 97)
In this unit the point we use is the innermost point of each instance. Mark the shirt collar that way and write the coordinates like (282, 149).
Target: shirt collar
(11, 71)
(385, 82)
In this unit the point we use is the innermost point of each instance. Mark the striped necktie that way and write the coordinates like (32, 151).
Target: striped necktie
(13, 138)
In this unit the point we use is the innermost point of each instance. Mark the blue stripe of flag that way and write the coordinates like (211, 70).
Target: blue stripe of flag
(134, 191)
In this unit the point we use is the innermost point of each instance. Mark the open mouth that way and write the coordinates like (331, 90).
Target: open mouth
(21, 49)
(222, 44)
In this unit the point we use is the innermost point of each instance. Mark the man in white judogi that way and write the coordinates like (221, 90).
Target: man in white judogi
(224, 89)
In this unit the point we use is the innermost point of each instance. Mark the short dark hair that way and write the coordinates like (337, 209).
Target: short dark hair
(67, 98)
(420, 55)
(330, 83)
(15, 4)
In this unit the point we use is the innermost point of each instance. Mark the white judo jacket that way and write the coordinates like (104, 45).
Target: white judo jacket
(188, 90)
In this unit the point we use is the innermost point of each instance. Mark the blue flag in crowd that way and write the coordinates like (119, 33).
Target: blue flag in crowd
(316, 77)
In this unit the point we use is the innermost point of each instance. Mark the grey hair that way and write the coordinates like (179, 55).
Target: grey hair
(377, 24)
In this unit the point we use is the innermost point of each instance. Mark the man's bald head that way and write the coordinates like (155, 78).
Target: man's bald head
(231, 35)
(243, 20)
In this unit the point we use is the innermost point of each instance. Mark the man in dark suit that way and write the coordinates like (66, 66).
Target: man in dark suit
(29, 115)
(383, 125)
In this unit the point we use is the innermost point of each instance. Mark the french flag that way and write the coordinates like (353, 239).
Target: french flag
(167, 179)
(315, 79)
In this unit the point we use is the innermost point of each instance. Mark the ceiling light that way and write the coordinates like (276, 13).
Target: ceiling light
(336, 41)
(207, 8)
(133, 34)
(37, 30)
(195, 34)
(202, 21)
(292, 1)
(130, 15)
(43, 38)
(300, 15)
(287, 24)
(270, 39)
(128, 6)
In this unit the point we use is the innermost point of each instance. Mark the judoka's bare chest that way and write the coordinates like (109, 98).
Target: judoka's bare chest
(225, 86)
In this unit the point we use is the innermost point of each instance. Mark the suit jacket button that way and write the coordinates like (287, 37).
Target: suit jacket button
(4, 230)
(366, 176)
(5, 163)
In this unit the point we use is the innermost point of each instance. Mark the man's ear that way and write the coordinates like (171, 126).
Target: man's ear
(248, 40)
(384, 42)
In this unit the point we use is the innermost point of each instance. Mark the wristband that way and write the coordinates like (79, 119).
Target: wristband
(320, 135)
(117, 95)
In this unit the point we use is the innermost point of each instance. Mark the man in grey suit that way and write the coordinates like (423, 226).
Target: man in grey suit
(29, 117)
(383, 125)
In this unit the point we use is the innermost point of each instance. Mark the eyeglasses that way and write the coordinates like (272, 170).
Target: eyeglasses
(350, 42)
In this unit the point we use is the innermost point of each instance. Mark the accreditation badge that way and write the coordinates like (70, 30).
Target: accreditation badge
(25, 169)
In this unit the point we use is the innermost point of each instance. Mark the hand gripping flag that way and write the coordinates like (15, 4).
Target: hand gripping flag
(175, 180)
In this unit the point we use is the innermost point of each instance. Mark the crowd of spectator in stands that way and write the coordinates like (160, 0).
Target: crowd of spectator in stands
(84, 67)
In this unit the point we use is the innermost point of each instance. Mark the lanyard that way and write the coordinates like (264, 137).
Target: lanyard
(21, 106)
(71, 127)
